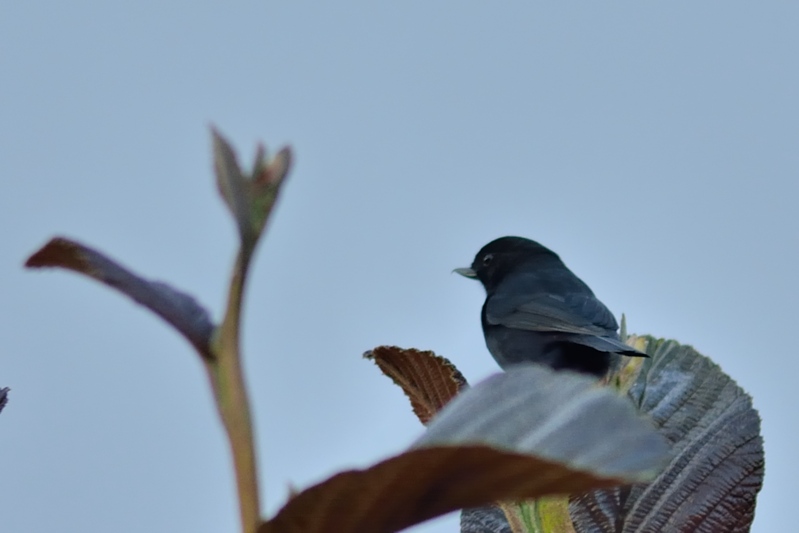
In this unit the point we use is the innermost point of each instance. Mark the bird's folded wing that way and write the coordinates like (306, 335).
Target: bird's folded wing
(574, 313)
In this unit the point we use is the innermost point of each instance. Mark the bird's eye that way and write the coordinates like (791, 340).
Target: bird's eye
(487, 259)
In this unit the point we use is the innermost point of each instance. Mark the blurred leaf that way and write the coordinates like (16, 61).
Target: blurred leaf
(177, 308)
(418, 485)
(250, 198)
(266, 175)
(523, 434)
(428, 380)
(266, 181)
(559, 416)
(3, 397)
(711, 484)
(232, 185)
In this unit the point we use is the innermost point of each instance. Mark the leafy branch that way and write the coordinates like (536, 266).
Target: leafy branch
(250, 199)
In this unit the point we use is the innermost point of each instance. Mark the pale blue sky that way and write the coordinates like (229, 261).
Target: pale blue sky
(655, 146)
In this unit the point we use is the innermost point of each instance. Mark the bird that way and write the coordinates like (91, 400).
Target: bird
(537, 310)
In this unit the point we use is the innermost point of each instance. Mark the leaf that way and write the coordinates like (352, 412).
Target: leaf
(271, 173)
(428, 380)
(416, 486)
(3, 397)
(711, 484)
(177, 308)
(523, 434)
(559, 416)
(233, 186)
(266, 181)
(250, 198)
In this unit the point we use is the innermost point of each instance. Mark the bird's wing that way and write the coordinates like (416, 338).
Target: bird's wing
(574, 313)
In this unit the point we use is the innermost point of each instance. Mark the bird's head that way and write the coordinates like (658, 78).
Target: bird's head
(502, 256)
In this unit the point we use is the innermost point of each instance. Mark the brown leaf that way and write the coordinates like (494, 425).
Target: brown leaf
(428, 380)
(421, 484)
(63, 253)
(520, 434)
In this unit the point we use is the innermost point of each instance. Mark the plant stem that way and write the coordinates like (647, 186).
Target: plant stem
(227, 381)
(513, 516)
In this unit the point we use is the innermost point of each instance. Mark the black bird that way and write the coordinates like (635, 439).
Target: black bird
(537, 310)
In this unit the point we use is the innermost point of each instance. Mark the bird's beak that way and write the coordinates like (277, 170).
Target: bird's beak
(466, 272)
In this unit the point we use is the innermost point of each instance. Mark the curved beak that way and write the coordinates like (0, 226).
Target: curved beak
(466, 272)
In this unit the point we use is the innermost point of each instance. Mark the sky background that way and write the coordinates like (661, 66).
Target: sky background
(653, 145)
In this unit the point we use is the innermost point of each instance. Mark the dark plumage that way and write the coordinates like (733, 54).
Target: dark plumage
(537, 310)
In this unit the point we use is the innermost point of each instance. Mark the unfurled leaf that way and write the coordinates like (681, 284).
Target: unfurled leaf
(419, 485)
(524, 434)
(711, 484)
(428, 380)
(177, 308)
(559, 416)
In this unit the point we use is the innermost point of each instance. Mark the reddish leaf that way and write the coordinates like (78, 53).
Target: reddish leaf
(421, 484)
(428, 380)
(522, 434)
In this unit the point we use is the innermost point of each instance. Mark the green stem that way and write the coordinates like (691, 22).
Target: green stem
(514, 517)
(227, 381)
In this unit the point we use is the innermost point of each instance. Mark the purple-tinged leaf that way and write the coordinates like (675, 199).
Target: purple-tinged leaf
(177, 308)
